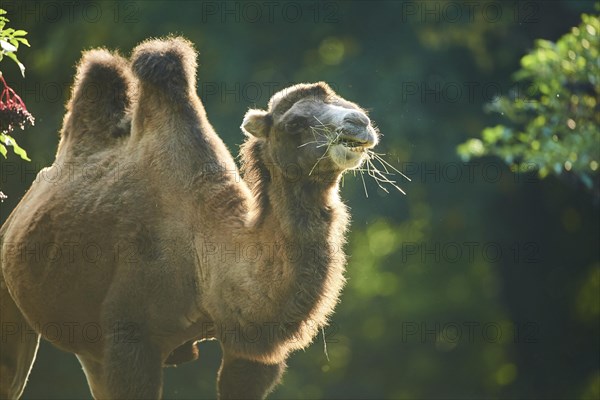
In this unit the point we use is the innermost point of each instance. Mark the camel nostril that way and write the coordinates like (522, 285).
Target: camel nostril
(358, 119)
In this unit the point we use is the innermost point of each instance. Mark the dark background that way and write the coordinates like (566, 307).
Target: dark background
(479, 283)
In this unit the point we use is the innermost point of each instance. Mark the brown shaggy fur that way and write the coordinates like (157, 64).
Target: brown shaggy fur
(147, 240)
(103, 80)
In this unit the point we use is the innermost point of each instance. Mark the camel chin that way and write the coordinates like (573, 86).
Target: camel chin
(350, 150)
(347, 157)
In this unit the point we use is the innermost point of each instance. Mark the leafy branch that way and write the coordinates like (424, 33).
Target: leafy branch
(555, 124)
(13, 112)
(10, 39)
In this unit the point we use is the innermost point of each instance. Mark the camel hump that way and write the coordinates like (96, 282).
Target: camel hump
(100, 100)
(168, 64)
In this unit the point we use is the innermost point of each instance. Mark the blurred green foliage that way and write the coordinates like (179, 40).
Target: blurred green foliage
(480, 283)
(555, 113)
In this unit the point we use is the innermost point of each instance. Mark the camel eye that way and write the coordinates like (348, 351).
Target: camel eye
(296, 124)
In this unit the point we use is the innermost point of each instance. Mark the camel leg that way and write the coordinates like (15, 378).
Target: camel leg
(94, 375)
(18, 346)
(244, 379)
(132, 365)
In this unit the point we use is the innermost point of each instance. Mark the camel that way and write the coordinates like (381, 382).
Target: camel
(144, 237)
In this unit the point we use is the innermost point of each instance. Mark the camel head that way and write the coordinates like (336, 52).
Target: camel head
(310, 131)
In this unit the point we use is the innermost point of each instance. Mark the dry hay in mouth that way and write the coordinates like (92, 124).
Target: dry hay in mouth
(376, 166)
(381, 176)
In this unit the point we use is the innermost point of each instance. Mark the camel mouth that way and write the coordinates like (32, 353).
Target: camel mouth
(354, 144)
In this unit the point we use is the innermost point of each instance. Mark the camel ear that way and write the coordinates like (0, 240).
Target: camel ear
(257, 123)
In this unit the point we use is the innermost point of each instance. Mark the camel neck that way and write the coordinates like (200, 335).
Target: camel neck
(293, 261)
(302, 208)
(307, 221)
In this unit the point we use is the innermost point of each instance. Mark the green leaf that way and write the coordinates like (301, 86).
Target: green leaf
(2, 11)
(14, 42)
(21, 152)
(3, 150)
(10, 141)
(15, 59)
(493, 135)
(471, 148)
(20, 32)
(24, 41)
